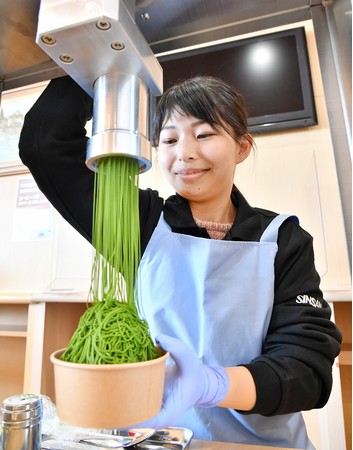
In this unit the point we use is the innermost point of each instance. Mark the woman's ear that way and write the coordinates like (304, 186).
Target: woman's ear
(243, 150)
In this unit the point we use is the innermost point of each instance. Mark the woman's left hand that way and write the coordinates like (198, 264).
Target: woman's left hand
(189, 383)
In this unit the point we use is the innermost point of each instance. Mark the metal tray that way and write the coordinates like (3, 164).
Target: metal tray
(167, 438)
(173, 438)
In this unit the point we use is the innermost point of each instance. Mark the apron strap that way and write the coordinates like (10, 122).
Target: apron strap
(271, 232)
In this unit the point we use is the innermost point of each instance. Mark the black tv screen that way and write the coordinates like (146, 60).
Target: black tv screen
(271, 72)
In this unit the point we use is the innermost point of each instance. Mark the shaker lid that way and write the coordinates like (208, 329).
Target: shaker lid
(21, 402)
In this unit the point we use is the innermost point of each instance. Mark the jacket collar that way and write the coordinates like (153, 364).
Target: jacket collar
(248, 225)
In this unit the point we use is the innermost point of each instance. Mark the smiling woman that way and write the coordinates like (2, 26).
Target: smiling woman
(225, 309)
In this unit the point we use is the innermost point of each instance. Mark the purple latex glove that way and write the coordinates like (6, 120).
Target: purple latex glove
(188, 383)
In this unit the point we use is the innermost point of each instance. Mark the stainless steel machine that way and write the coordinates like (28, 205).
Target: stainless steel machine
(99, 45)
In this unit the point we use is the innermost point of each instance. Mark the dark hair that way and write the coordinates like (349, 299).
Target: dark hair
(207, 98)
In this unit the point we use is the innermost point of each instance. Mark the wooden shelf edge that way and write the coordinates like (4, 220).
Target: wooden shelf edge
(12, 330)
(10, 297)
(345, 358)
(21, 334)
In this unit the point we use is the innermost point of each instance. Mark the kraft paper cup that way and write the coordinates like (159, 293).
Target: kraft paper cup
(108, 395)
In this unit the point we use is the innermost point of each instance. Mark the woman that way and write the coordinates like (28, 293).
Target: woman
(230, 290)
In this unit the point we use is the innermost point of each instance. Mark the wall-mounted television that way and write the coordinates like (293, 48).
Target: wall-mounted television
(271, 71)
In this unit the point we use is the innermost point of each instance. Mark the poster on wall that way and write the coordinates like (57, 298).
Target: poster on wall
(15, 104)
(33, 216)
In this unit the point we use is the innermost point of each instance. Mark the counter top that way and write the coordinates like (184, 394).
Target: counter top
(206, 445)
(73, 296)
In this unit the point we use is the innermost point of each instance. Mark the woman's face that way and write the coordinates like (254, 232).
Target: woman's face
(198, 161)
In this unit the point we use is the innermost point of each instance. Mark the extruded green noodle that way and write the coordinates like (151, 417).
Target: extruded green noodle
(111, 330)
(110, 333)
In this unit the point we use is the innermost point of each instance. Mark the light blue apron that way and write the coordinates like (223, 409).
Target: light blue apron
(217, 297)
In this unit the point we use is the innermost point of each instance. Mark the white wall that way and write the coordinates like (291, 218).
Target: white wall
(35, 261)
(289, 172)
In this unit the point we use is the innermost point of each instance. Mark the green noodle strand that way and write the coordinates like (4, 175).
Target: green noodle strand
(111, 330)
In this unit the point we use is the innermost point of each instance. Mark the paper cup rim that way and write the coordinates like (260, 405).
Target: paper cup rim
(55, 359)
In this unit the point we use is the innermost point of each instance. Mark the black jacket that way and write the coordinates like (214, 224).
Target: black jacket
(294, 371)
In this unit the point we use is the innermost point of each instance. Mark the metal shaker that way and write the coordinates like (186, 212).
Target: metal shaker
(21, 422)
